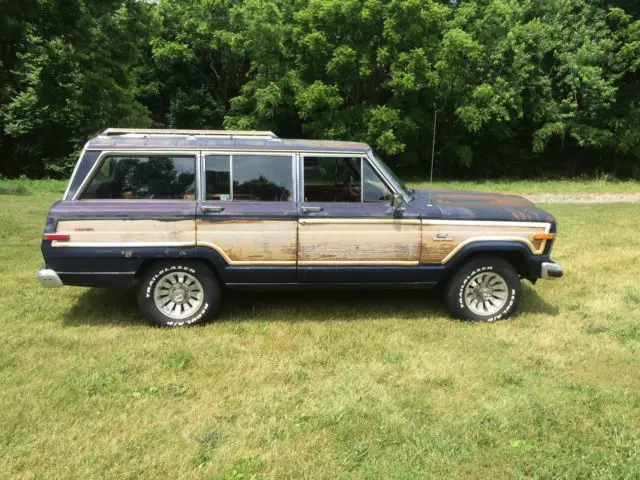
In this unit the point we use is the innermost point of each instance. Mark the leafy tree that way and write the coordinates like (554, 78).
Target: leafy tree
(521, 87)
(72, 71)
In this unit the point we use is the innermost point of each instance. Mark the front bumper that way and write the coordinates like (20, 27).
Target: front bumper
(49, 278)
(541, 266)
(550, 270)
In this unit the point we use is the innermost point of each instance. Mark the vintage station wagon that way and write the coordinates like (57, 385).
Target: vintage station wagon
(183, 214)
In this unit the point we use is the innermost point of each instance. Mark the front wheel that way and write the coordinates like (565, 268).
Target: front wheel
(178, 293)
(484, 290)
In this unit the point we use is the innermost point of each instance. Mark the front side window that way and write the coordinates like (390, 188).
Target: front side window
(132, 177)
(342, 179)
(332, 179)
(263, 178)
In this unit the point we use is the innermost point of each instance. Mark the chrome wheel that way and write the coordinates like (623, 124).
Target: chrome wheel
(178, 295)
(486, 293)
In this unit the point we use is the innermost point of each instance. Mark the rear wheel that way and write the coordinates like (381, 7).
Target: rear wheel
(485, 289)
(179, 293)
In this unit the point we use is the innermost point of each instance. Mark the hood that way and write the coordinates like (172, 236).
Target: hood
(467, 205)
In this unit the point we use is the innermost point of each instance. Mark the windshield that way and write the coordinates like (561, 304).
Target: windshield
(391, 173)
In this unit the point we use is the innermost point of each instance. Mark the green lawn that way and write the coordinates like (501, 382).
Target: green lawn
(344, 385)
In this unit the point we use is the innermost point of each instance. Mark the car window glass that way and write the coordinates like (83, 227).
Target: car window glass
(159, 177)
(262, 178)
(218, 177)
(332, 179)
(374, 189)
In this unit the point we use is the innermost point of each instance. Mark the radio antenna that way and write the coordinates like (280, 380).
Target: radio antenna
(433, 143)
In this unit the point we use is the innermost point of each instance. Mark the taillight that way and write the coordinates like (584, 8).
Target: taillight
(61, 237)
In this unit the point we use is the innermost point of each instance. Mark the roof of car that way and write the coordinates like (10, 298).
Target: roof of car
(155, 139)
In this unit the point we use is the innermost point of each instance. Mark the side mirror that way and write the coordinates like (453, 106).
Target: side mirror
(398, 203)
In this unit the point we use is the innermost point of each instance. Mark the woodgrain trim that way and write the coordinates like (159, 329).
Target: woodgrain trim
(121, 244)
(492, 238)
(124, 231)
(359, 242)
(227, 259)
(251, 242)
(443, 239)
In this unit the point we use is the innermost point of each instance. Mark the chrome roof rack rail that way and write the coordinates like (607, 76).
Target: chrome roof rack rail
(156, 132)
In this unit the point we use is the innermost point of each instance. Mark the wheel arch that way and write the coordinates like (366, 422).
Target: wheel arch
(209, 258)
(516, 253)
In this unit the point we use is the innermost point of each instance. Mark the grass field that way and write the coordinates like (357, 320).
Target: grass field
(343, 385)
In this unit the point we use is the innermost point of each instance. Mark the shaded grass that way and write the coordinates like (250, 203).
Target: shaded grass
(326, 385)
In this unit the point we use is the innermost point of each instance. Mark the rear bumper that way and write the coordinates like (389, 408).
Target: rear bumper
(550, 270)
(49, 278)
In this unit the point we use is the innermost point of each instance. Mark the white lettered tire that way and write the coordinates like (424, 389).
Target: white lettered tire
(176, 293)
(485, 289)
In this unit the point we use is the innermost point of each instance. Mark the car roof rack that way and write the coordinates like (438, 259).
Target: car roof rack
(156, 132)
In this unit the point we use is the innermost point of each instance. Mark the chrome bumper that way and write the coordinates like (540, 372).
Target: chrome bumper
(550, 270)
(49, 278)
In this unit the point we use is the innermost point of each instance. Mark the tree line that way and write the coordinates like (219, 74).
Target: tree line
(516, 88)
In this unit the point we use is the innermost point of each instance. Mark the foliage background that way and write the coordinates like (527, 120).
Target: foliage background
(522, 87)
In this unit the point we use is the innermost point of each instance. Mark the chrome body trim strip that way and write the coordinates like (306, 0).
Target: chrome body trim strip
(487, 223)
(154, 132)
(368, 221)
(97, 273)
(58, 244)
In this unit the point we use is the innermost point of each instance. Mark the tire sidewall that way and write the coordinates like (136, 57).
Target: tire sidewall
(149, 281)
(460, 282)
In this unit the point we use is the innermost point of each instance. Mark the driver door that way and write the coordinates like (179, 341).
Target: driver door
(347, 230)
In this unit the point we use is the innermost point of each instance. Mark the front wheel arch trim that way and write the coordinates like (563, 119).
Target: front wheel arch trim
(516, 253)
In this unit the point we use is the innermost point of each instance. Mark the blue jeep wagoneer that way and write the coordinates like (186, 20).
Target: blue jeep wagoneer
(182, 214)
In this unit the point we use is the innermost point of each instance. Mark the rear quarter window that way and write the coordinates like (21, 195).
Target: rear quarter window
(131, 177)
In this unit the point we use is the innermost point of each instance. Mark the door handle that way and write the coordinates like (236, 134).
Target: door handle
(311, 209)
(209, 209)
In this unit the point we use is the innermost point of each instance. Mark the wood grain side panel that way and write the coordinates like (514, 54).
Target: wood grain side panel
(440, 242)
(359, 243)
(127, 231)
(266, 242)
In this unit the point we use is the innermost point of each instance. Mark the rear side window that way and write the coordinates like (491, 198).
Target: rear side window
(262, 178)
(132, 177)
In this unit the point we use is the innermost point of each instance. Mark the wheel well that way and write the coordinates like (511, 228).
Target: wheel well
(515, 258)
(148, 262)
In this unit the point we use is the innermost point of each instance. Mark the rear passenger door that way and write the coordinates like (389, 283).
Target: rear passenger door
(348, 232)
(247, 215)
